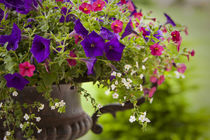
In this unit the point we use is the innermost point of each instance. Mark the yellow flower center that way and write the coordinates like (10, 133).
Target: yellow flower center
(99, 5)
(85, 9)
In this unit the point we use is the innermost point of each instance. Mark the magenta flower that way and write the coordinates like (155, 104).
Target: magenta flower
(40, 48)
(13, 39)
(114, 50)
(161, 80)
(90, 64)
(26, 69)
(16, 81)
(117, 26)
(106, 33)
(85, 8)
(72, 62)
(153, 79)
(156, 50)
(192, 53)
(93, 45)
(181, 68)
(176, 37)
(98, 5)
(80, 29)
(152, 92)
(169, 20)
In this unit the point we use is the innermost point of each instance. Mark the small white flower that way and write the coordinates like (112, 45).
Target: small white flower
(26, 117)
(8, 133)
(116, 82)
(56, 104)
(123, 104)
(15, 93)
(38, 119)
(119, 74)
(124, 97)
(137, 65)
(141, 87)
(41, 107)
(147, 120)
(129, 80)
(99, 106)
(115, 96)
(113, 73)
(132, 119)
(62, 103)
(1, 104)
(143, 67)
(107, 92)
(133, 72)
(141, 76)
(124, 80)
(179, 75)
(21, 125)
(141, 118)
(127, 67)
(39, 131)
(113, 87)
(145, 60)
(5, 138)
(151, 100)
(145, 113)
(52, 107)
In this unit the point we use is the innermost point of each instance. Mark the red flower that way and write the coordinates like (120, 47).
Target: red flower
(176, 37)
(138, 15)
(72, 62)
(117, 26)
(181, 68)
(85, 8)
(78, 38)
(156, 50)
(161, 80)
(59, 0)
(192, 53)
(123, 2)
(98, 5)
(26, 69)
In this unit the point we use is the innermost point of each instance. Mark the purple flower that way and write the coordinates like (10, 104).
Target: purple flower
(13, 39)
(93, 45)
(40, 48)
(169, 20)
(16, 81)
(114, 50)
(1, 14)
(158, 34)
(106, 33)
(128, 30)
(80, 29)
(66, 17)
(90, 64)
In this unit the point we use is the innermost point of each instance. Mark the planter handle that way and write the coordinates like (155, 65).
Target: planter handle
(112, 108)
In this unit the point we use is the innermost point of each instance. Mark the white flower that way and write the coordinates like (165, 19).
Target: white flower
(129, 80)
(113, 87)
(1, 104)
(26, 117)
(133, 72)
(123, 80)
(115, 96)
(62, 103)
(132, 119)
(147, 120)
(179, 75)
(137, 65)
(123, 104)
(107, 92)
(143, 67)
(99, 106)
(127, 67)
(15, 93)
(21, 125)
(39, 130)
(8, 133)
(5, 138)
(141, 76)
(119, 74)
(38, 119)
(142, 118)
(151, 100)
(141, 87)
(113, 73)
(56, 104)
(145, 113)
(41, 107)
(116, 82)
(145, 60)
(52, 107)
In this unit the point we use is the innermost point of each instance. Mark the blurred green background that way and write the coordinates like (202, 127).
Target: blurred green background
(181, 108)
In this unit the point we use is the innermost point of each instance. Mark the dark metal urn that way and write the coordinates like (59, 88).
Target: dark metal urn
(70, 125)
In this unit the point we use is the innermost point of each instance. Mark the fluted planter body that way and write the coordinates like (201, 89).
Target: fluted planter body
(70, 125)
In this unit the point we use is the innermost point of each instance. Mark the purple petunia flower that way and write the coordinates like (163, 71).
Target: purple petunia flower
(1, 14)
(93, 45)
(169, 20)
(13, 39)
(90, 64)
(40, 48)
(16, 81)
(80, 29)
(66, 17)
(106, 33)
(114, 50)
(128, 30)
(158, 34)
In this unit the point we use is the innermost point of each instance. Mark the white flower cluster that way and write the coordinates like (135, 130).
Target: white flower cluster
(143, 118)
(58, 104)
(127, 82)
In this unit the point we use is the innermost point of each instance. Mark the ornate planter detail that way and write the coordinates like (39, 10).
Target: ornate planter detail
(70, 125)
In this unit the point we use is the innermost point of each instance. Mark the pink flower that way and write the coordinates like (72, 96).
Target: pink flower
(123, 2)
(98, 5)
(192, 53)
(72, 62)
(85, 8)
(152, 92)
(161, 80)
(26, 69)
(117, 26)
(176, 37)
(130, 6)
(156, 49)
(153, 79)
(181, 68)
